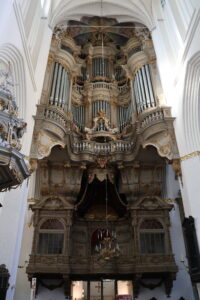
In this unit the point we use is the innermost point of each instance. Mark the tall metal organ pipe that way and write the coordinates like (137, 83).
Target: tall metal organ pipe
(60, 87)
(124, 116)
(78, 113)
(100, 67)
(143, 89)
(101, 105)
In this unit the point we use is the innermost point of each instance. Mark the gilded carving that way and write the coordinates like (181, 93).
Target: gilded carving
(190, 155)
(177, 168)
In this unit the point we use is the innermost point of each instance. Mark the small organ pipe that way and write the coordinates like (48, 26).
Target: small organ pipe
(66, 91)
(58, 85)
(54, 83)
(137, 100)
(93, 109)
(150, 85)
(139, 92)
(81, 108)
(61, 88)
(70, 84)
(133, 96)
(148, 100)
(142, 88)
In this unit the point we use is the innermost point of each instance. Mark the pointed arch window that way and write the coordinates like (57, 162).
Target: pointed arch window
(51, 237)
(152, 237)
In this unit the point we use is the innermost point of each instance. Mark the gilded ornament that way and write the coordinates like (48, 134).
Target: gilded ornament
(191, 155)
(177, 168)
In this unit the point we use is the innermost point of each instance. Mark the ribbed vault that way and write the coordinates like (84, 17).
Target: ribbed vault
(123, 11)
(191, 104)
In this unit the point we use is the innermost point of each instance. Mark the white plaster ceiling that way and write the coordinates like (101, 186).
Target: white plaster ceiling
(123, 10)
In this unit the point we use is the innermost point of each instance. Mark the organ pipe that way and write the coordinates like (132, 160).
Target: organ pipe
(78, 113)
(124, 116)
(147, 96)
(100, 67)
(60, 87)
(98, 106)
(54, 84)
(150, 85)
(143, 90)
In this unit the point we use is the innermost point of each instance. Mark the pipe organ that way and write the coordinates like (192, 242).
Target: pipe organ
(102, 84)
(101, 137)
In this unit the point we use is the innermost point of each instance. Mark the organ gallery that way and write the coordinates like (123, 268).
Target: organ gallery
(101, 144)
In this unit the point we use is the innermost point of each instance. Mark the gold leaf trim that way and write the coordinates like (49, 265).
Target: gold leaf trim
(191, 155)
(170, 200)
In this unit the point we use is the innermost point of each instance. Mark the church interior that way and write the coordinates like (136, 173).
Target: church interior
(100, 150)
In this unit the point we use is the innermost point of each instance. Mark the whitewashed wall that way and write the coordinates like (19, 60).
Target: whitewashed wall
(178, 59)
(28, 59)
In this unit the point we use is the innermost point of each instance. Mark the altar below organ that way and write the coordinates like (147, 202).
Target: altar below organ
(104, 289)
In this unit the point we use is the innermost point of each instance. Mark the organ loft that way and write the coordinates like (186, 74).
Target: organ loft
(103, 138)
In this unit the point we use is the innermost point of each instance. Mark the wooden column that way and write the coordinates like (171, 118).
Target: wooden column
(88, 290)
(116, 288)
(101, 289)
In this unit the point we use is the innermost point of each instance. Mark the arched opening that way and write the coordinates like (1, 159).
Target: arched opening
(51, 237)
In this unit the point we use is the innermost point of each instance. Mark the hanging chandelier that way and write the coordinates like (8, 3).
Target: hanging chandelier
(107, 246)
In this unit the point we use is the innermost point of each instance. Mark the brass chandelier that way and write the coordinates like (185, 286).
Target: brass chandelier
(107, 246)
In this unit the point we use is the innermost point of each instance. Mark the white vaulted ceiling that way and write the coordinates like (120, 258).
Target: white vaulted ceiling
(123, 10)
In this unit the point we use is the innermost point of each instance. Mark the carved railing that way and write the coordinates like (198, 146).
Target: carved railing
(150, 117)
(48, 259)
(41, 263)
(144, 262)
(101, 85)
(77, 88)
(93, 147)
(55, 115)
(158, 259)
(162, 266)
